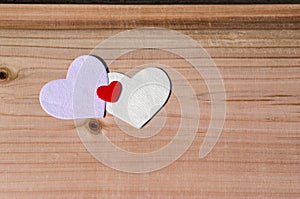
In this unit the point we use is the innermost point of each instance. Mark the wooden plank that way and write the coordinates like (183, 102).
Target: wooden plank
(130, 16)
(153, 2)
(256, 49)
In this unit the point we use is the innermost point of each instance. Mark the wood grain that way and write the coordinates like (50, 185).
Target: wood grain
(256, 49)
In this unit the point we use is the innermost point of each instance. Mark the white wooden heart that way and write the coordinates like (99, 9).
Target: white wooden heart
(142, 96)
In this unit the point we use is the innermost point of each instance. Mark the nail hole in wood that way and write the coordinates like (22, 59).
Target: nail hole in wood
(94, 126)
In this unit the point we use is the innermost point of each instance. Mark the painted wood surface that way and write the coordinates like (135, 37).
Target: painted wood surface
(256, 49)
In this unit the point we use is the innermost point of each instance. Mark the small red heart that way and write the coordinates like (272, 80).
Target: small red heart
(111, 92)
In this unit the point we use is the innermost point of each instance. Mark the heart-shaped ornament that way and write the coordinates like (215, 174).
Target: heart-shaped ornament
(56, 97)
(142, 96)
(111, 92)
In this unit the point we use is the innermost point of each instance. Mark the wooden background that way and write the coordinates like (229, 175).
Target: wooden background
(256, 49)
(153, 1)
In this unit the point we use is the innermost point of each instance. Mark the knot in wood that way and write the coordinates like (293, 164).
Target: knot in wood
(94, 126)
